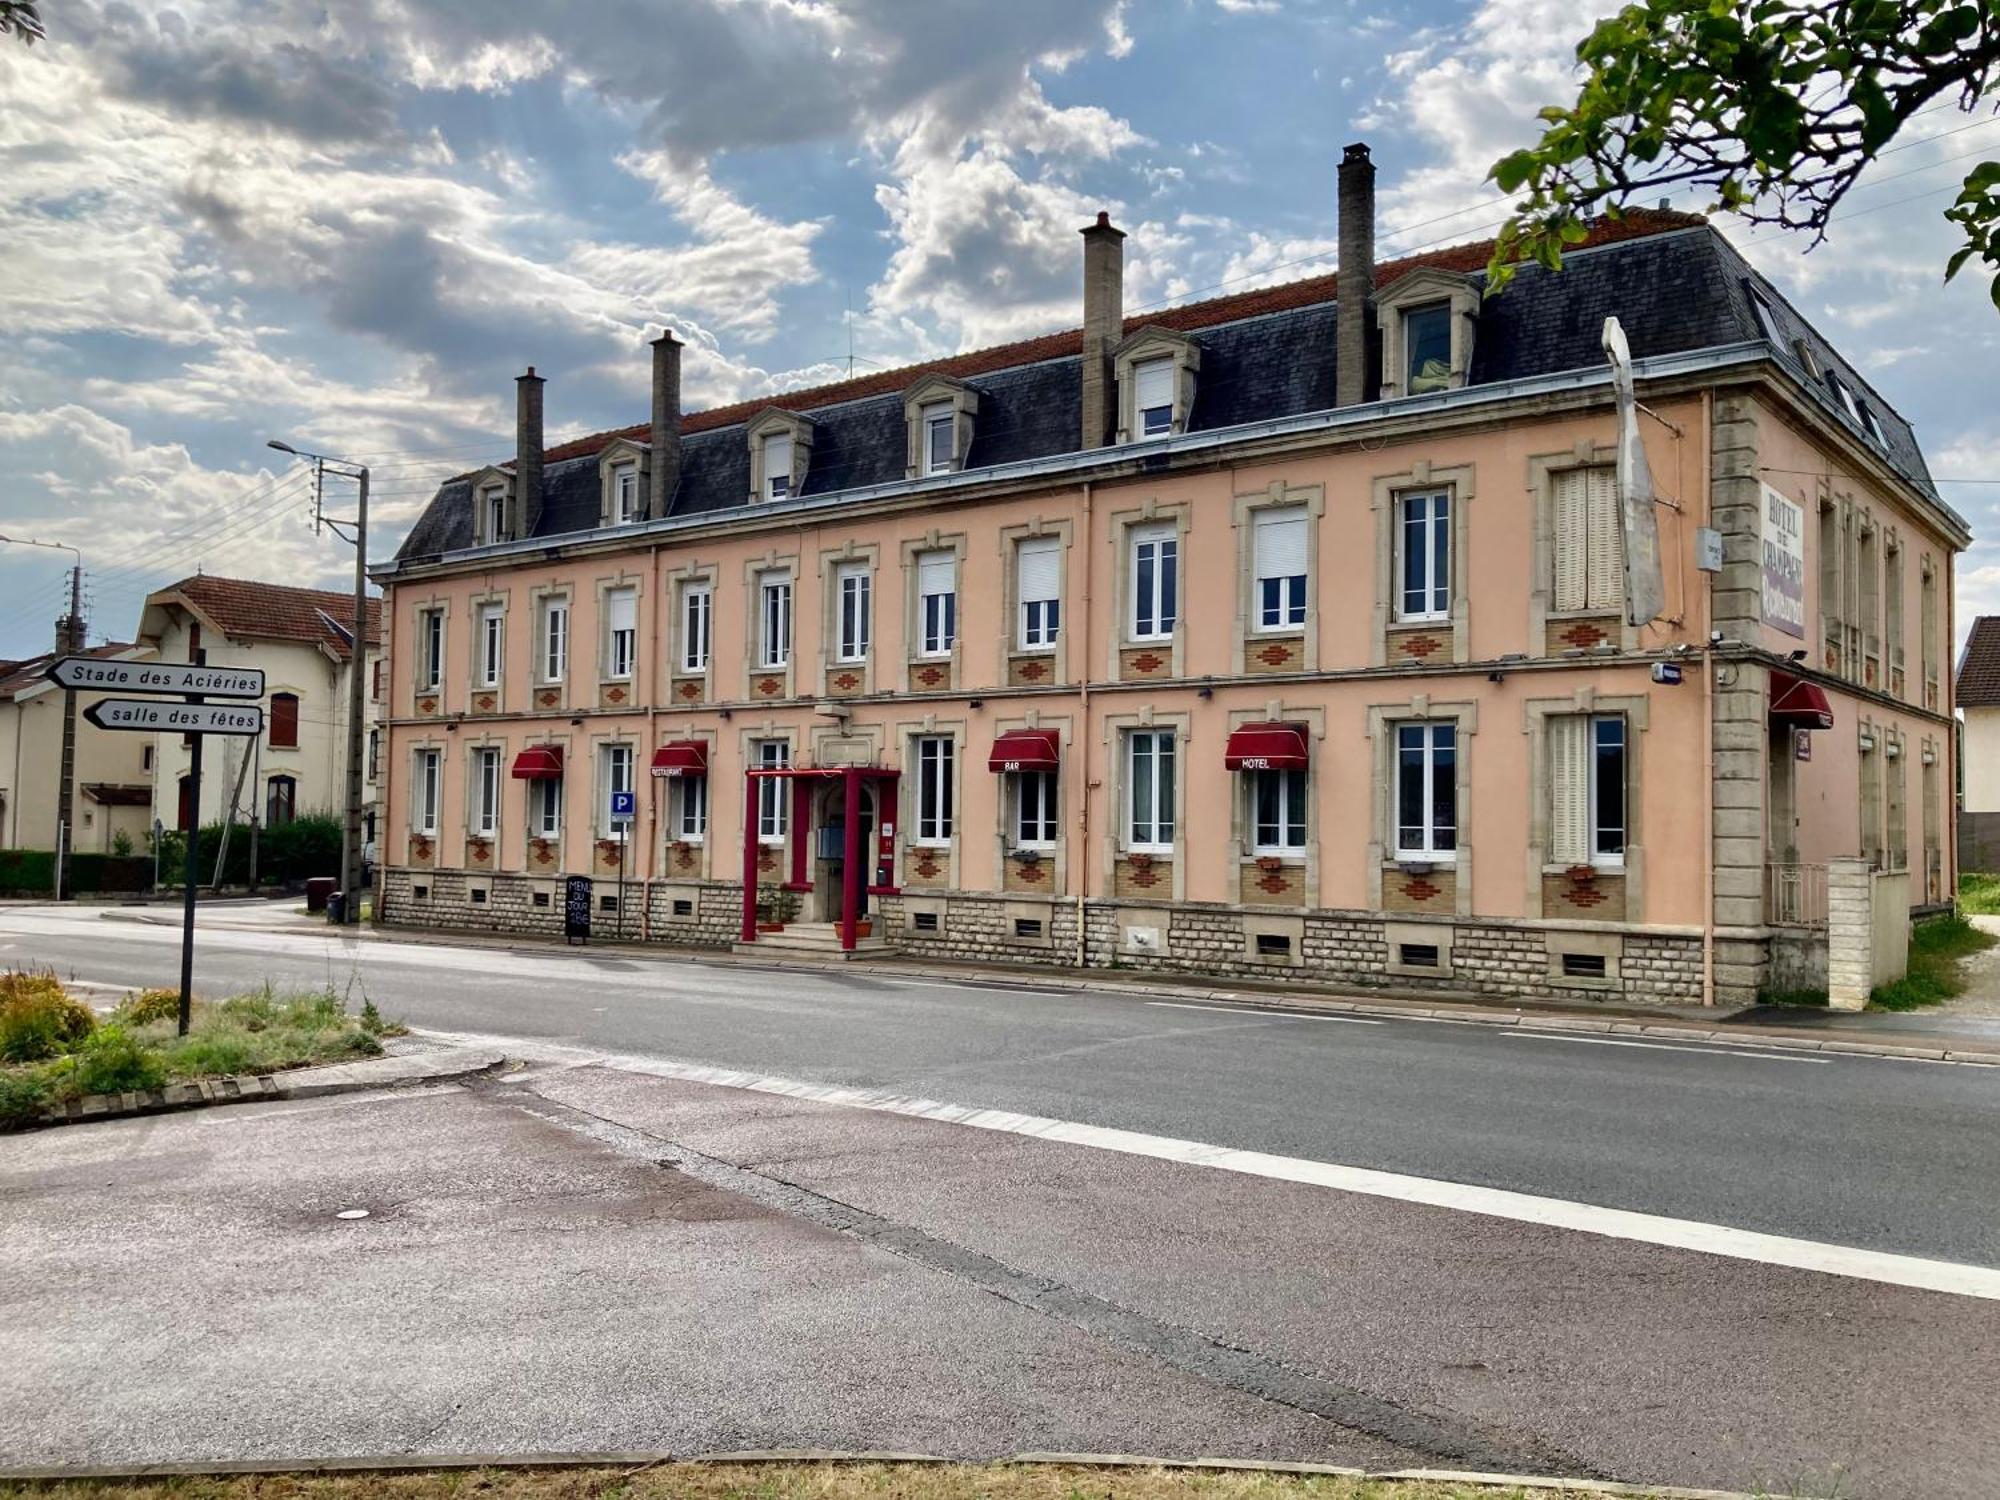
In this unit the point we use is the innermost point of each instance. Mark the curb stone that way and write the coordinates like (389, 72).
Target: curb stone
(297, 1083)
(407, 1463)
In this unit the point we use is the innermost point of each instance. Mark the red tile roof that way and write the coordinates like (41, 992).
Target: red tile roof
(1636, 223)
(17, 677)
(248, 609)
(1979, 667)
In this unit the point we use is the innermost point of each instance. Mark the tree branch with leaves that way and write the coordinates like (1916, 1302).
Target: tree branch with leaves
(1772, 107)
(21, 18)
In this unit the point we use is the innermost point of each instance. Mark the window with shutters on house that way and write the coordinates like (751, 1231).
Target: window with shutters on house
(1153, 396)
(284, 727)
(621, 633)
(1587, 790)
(1278, 544)
(778, 466)
(937, 603)
(1038, 579)
(1589, 553)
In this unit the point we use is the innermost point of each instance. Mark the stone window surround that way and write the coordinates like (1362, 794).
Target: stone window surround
(1116, 726)
(1609, 946)
(1387, 491)
(1152, 512)
(1424, 287)
(1542, 471)
(439, 604)
(1003, 836)
(1242, 811)
(605, 584)
(539, 596)
(771, 420)
(1268, 922)
(746, 744)
(938, 390)
(416, 750)
(933, 540)
(615, 454)
(1382, 718)
(1420, 931)
(528, 794)
(1535, 714)
(484, 483)
(1895, 797)
(1895, 603)
(1011, 538)
(475, 608)
(600, 792)
(772, 561)
(472, 747)
(1149, 343)
(831, 561)
(1311, 498)
(667, 813)
(907, 734)
(676, 582)
(1871, 745)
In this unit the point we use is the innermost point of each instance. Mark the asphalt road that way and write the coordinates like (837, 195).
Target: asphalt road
(1883, 1155)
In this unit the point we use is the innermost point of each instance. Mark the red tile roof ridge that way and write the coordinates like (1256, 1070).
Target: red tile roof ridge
(1634, 223)
(1978, 679)
(278, 611)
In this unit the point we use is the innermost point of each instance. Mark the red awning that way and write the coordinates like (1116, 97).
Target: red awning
(681, 758)
(1025, 750)
(1799, 703)
(539, 763)
(1266, 747)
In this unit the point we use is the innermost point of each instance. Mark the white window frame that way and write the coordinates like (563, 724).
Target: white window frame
(774, 620)
(492, 644)
(1767, 318)
(430, 792)
(1043, 828)
(854, 632)
(494, 501)
(688, 816)
(1287, 614)
(616, 763)
(554, 643)
(545, 808)
(1159, 750)
(1294, 797)
(1040, 622)
(697, 626)
(624, 494)
(772, 804)
(938, 416)
(1155, 419)
(1164, 541)
(937, 609)
(486, 778)
(430, 655)
(935, 756)
(1434, 590)
(1429, 732)
(621, 646)
(1409, 351)
(777, 476)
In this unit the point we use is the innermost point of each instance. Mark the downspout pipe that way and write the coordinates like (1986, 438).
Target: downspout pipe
(1084, 737)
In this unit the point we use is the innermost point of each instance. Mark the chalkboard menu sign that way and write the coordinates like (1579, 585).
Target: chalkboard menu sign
(576, 908)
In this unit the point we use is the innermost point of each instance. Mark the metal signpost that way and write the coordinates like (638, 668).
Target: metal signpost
(624, 807)
(192, 682)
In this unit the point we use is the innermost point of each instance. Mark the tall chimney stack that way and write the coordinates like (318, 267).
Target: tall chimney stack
(527, 452)
(1355, 378)
(665, 461)
(1103, 327)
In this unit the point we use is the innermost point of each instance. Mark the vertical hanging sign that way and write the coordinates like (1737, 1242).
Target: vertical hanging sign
(1784, 550)
(1645, 590)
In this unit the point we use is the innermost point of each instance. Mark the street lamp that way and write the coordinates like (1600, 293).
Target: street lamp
(350, 837)
(70, 644)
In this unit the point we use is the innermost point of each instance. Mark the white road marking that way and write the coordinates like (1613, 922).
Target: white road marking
(1274, 1015)
(1523, 1208)
(1720, 1049)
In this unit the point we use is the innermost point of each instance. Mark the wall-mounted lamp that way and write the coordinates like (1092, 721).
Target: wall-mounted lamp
(1798, 655)
(1496, 676)
(726, 716)
(576, 723)
(1205, 693)
(977, 703)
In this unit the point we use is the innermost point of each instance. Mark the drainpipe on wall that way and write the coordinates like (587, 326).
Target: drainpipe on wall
(655, 673)
(1084, 740)
(1708, 706)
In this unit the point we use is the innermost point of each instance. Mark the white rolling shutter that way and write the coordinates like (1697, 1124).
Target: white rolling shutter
(934, 570)
(1155, 384)
(1607, 546)
(1040, 568)
(778, 462)
(624, 609)
(1281, 542)
(1569, 789)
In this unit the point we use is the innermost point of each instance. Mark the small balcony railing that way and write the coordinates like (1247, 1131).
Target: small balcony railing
(1795, 895)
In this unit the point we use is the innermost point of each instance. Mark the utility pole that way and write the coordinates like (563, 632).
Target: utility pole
(350, 834)
(69, 642)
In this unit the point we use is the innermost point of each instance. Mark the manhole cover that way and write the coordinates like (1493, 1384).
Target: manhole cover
(352, 1213)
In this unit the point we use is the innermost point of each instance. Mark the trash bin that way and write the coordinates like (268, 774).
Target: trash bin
(336, 909)
(318, 889)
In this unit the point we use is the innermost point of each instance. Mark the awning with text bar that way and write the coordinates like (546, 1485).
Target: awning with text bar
(1025, 750)
(539, 763)
(681, 758)
(1267, 747)
(1799, 703)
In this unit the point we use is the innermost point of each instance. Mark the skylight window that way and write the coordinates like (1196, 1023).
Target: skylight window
(1767, 320)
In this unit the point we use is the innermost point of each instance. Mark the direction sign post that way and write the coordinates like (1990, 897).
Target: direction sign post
(150, 717)
(169, 678)
(200, 659)
(624, 807)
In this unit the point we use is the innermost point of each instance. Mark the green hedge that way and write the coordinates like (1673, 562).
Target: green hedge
(309, 845)
(32, 872)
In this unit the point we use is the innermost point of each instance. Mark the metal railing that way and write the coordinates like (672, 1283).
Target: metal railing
(1795, 895)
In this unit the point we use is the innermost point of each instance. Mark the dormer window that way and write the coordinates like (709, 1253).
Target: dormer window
(493, 505)
(1767, 321)
(938, 414)
(1843, 397)
(940, 437)
(778, 466)
(780, 454)
(621, 483)
(624, 494)
(1873, 425)
(1427, 349)
(1154, 396)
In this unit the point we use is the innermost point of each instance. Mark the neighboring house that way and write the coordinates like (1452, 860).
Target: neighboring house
(114, 771)
(1979, 708)
(303, 641)
(1281, 633)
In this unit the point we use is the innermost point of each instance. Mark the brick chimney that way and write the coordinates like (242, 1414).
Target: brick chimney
(1355, 378)
(1103, 327)
(664, 465)
(527, 452)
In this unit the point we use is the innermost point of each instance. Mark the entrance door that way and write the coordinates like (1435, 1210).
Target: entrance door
(830, 846)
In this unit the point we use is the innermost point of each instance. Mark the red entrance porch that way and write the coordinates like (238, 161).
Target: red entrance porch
(804, 781)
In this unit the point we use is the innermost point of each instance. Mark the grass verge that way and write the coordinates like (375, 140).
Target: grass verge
(1979, 895)
(792, 1481)
(1936, 948)
(54, 1049)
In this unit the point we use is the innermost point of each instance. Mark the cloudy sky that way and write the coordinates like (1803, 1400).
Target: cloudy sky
(350, 224)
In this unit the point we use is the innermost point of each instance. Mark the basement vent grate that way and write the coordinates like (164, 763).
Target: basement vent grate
(541, 898)
(1583, 966)
(420, 893)
(683, 907)
(923, 921)
(1417, 955)
(1273, 945)
(1027, 927)
(478, 898)
(607, 903)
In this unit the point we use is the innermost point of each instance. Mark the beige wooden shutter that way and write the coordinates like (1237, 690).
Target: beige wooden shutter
(1572, 532)
(1569, 789)
(1607, 549)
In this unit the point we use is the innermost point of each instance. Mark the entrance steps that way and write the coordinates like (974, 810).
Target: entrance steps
(819, 938)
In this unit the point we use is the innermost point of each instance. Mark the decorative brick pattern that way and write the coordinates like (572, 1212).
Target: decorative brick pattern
(930, 674)
(485, 703)
(1285, 654)
(1570, 634)
(688, 689)
(925, 867)
(1030, 671)
(423, 851)
(1143, 877)
(1433, 890)
(605, 858)
(767, 685)
(543, 856)
(548, 698)
(844, 681)
(1420, 646)
(427, 706)
(1283, 886)
(1038, 878)
(1145, 662)
(683, 859)
(769, 860)
(479, 853)
(1596, 896)
(614, 695)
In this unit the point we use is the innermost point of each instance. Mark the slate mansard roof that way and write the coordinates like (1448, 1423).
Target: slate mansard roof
(1675, 285)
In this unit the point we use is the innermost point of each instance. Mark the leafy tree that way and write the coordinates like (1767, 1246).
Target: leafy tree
(21, 18)
(1774, 106)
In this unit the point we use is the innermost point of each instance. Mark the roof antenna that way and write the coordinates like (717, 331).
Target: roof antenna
(848, 291)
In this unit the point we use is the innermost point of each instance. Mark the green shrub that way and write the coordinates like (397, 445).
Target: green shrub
(37, 1019)
(27, 872)
(308, 845)
(1936, 948)
(214, 1052)
(23, 1096)
(1979, 893)
(113, 1061)
(148, 1006)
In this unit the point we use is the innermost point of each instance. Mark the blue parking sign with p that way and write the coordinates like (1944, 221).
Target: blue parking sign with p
(624, 805)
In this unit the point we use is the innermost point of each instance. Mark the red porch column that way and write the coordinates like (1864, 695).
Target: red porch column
(850, 855)
(802, 790)
(749, 857)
